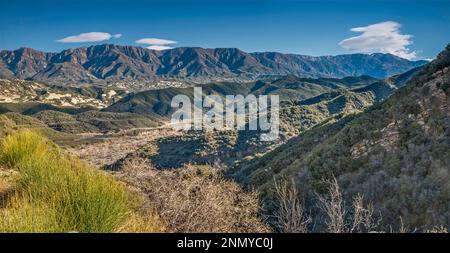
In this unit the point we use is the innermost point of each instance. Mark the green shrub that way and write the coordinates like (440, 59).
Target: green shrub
(23, 145)
(57, 193)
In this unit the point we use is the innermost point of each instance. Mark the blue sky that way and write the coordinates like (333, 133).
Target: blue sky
(411, 29)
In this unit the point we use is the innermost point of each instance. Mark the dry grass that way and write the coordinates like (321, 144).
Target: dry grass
(8, 178)
(110, 149)
(195, 198)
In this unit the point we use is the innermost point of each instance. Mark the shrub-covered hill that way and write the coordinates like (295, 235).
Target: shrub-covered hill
(229, 147)
(396, 153)
(289, 88)
(94, 121)
(10, 122)
(21, 91)
(56, 124)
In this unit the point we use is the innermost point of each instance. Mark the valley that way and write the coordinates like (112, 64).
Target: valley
(363, 132)
(104, 131)
(232, 125)
(102, 150)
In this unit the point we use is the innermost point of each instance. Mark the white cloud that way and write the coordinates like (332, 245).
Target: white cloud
(89, 37)
(156, 44)
(384, 37)
(159, 48)
(154, 41)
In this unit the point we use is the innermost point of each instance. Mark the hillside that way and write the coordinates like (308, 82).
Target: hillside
(289, 88)
(135, 66)
(93, 121)
(75, 129)
(21, 91)
(396, 154)
(68, 109)
(228, 148)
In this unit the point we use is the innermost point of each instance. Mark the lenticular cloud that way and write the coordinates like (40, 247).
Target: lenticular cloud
(384, 37)
(156, 44)
(89, 37)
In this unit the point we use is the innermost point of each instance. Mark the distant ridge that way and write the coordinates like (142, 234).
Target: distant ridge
(108, 63)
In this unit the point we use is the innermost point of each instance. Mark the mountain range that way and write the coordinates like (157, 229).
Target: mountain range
(106, 64)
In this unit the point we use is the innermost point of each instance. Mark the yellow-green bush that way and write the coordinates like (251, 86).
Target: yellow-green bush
(6, 125)
(25, 216)
(55, 193)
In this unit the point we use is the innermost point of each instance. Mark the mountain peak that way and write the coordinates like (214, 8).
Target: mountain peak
(109, 63)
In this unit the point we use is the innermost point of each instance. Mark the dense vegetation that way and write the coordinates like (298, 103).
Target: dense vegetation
(396, 154)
